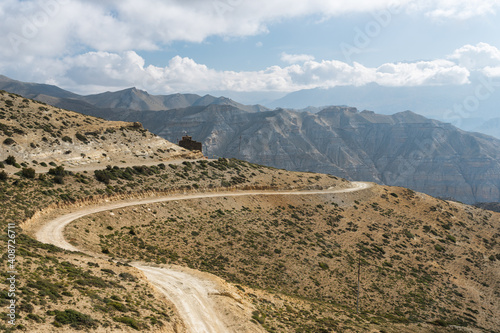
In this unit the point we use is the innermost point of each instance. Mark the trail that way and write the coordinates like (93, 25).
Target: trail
(188, 292)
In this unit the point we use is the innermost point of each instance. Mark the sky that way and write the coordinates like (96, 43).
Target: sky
(258, 46)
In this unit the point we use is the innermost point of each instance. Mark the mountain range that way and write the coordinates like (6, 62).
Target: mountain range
(469, 107)
(404, 149)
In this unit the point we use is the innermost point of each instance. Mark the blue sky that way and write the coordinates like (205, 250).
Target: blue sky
(258, 46)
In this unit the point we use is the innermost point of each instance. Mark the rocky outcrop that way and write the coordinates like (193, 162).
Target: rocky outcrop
(404, 149)
(41, 135)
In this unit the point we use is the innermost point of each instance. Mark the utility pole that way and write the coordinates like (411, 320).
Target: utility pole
(359, 273)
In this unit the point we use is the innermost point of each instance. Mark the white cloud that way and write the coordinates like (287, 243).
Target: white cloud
(65, 27)
(477, 57)
(295, 58)
(101, 71)
(456, 9)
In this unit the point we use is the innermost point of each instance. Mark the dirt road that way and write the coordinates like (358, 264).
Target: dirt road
(190, 293)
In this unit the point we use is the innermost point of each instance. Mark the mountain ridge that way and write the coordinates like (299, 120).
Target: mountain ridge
(404, 149)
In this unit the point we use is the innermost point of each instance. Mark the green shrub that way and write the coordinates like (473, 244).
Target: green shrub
(323, 265)
(57, 171)
(43, 164)
(3, 175)
(28, 173)
(35, 317)
(58, 180)
(81, 137)
(67, 139)
(10, 160)
(102, 176)
(118, 306)
(128, 321)
(75, 319)
(438, 247)
(9, 142)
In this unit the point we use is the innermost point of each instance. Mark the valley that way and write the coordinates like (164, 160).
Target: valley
(280, 248)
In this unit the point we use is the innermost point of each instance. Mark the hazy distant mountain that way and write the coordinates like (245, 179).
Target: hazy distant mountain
(132, 98)
(490, 127)
(437, 102)
(404, 149)
(31, 90)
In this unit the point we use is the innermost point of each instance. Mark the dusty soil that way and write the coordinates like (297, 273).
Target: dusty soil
(192, 292)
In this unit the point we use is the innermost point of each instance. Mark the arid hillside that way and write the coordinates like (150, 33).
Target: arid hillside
(39, 134)
(426, 265)
(422, 260)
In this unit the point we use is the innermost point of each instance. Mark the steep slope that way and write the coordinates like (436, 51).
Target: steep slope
(30, 90)
(127, 99)
(421, 259)
(431, 101)
(404, 149)
(42, 134)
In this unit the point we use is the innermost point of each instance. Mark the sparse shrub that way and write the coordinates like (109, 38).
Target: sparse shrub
(10, 160)
(75, 319)
(81, 137)
(28, 173)
(451, 238)
(57, 171)
(58, 180)
(107, 270)
(9, 142)
(323, 266)
(2, 166)
(258, 317)
(128, 321)
(127, 277)
(67, 139)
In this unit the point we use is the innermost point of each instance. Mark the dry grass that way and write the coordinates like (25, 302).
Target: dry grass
(423, 260)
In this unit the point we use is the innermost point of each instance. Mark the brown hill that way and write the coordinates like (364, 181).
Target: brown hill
(39, 134)
(422, 260)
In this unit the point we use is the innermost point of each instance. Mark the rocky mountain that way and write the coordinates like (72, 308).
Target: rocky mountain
(44, 135)
(130, 99)
(404, 149)
(445, 103)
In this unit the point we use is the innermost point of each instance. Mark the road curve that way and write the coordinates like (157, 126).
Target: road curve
(189, 293)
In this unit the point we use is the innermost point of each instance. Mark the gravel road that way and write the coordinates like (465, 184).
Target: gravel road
(190, 293)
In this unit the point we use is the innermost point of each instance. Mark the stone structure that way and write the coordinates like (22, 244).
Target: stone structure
(188, 143)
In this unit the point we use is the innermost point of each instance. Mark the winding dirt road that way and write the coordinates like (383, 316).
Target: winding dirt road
(189, 293)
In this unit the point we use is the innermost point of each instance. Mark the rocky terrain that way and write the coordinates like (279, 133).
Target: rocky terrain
(427, 265)
(43, 135)
(404, 149)
(422, 259)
